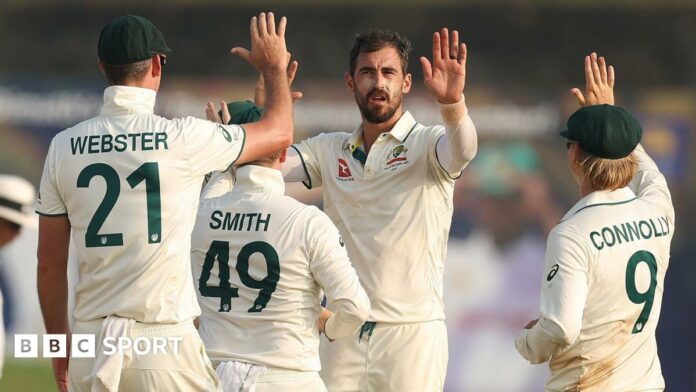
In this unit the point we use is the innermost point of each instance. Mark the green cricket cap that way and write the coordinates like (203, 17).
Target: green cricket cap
(605, 131)
(243, 112)
(130, 39)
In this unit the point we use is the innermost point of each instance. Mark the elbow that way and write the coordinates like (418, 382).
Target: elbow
(568, 337)
(562, 335)
(285, 129)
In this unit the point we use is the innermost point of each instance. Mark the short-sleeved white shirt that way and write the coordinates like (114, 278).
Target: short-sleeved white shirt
(394, 212)
(129, 182)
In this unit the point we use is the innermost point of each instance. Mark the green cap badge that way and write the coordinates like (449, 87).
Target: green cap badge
(130, 39)
(605, 131)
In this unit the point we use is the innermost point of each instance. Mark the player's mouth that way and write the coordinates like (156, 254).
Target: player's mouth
(378, 97)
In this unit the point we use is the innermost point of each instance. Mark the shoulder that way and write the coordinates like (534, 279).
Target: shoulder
(569, 235)
(421, 133)
(328, 138)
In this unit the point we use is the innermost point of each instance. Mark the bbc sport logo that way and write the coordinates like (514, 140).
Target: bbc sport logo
(84, 345)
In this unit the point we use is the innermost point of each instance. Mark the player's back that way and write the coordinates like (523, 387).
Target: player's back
(624, 239)
(251, 252)
(129, 182)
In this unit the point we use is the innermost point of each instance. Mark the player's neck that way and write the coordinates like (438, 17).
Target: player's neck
(371, 131)
(585, 189)
(148, 83)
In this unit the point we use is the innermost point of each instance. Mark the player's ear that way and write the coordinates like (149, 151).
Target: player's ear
(406, 86)
(101, 67)
(156, 66)
(284, 155)
(350, 83)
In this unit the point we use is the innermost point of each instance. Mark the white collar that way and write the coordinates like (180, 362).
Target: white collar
(399, 131)
(121, 100)
(259, 179)
(619, 196)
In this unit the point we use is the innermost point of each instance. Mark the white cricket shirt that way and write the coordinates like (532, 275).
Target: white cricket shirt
(260, 262)
(129, 182)
(601, 298)
(394, 212)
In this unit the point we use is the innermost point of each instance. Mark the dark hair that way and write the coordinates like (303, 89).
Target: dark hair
(375, 40)
(119, 74)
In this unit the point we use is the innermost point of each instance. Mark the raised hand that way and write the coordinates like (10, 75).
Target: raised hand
(599, 83)
(212, 115)
(260, 89)
(446, 75)
(268, 52)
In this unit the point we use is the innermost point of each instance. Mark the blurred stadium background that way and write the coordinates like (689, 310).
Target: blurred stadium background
(524, 56)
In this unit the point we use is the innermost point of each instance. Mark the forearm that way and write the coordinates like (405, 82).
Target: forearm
(52, 275)
(274, 131)
(649, 182)
(351, 307)
(459, 145)
(346, 320)
(278, 109)
(53, 297)
(539, 343)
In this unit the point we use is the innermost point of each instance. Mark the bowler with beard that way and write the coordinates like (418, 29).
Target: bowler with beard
(388, 187)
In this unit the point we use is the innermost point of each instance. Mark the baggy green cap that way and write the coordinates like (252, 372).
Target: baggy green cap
(243, 112)
(130, 39)
(605, 131)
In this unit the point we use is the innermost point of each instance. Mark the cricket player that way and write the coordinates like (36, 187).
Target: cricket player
(606, 260)
(16, 199)
(261, 260)
(388, 188)
(127, 184)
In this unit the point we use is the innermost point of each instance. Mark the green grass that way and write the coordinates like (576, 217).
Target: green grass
(27, 375)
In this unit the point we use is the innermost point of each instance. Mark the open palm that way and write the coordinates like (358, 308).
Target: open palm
(446, 75)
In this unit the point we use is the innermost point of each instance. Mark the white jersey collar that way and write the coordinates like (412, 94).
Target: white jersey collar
(399, 131)
(259, 179)
(605, 197)
(121, 100)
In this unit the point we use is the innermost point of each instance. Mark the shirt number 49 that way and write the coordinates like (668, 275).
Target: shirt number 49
(220, 251)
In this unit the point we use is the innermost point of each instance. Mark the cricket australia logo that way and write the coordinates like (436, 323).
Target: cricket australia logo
(344, 173)
(397, 157)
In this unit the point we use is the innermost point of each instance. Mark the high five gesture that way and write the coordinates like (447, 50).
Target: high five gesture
(599, 83)
(445, 76)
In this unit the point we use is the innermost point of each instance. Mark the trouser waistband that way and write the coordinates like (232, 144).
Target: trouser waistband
(274, 374)
(369, 327)
(142, 329)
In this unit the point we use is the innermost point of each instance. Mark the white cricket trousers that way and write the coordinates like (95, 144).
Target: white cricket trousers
(189, 370)
(272, 379)
(383, 357)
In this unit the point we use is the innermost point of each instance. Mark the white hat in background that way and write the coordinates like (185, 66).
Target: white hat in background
(17, 200)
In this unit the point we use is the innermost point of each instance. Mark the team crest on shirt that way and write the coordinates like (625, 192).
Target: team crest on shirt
(344, 173)
(397, 157)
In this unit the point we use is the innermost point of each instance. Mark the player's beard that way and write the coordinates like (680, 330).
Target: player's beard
(377, 115)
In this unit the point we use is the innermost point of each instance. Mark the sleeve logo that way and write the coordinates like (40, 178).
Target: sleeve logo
(225, 134)
(552, 273)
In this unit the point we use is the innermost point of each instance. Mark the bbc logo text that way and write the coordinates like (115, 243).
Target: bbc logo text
(85, 345)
